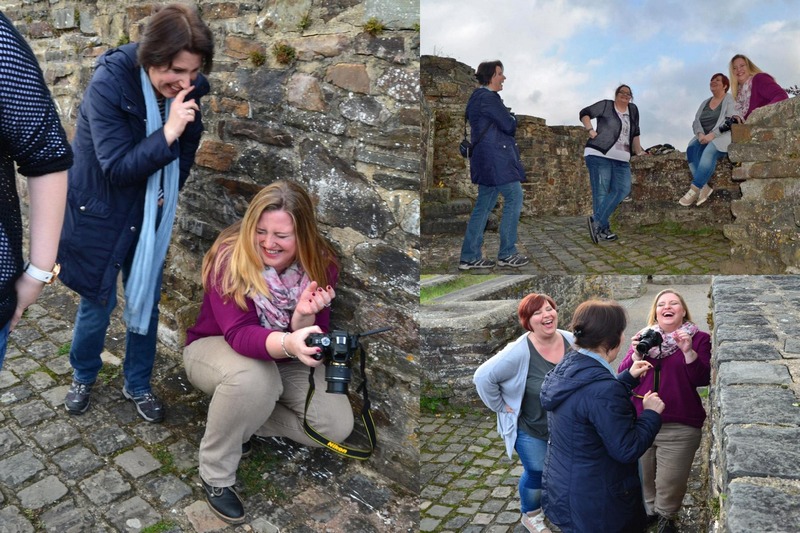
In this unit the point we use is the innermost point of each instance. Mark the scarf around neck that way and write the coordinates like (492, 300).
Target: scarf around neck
(275, 311)
(668, 346)
(148, 259)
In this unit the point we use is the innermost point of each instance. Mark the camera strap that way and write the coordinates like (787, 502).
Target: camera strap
(366, 416)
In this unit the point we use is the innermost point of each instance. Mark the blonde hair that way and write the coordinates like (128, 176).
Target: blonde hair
(233, 265)
(651, 317)
(751, 68)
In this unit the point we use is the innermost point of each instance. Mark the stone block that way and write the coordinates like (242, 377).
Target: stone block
(751, 404)
(752, 373)
(42, 493)
(351, 77)
(746, 507)
(761, 452)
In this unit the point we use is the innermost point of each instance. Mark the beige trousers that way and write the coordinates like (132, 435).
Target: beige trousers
(666, 466)
(250, 396)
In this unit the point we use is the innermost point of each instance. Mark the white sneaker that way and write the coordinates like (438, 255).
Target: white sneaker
(705, 192)
(690, 196)
(535, 523)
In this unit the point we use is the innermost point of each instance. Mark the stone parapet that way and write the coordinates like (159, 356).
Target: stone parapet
(766, 151)
(755, 416)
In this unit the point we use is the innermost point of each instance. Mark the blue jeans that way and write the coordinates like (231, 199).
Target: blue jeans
(702, 160)
(89, 336)
(4, 342)
(611, 183)
(531, 452)
(487, 199)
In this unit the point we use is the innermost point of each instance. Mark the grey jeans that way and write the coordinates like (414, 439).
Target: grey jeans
(666, 466)
(250, 396)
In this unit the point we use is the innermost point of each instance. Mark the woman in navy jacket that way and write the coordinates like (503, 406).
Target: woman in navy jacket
(496, 169)
(124, 183)
(591, 476)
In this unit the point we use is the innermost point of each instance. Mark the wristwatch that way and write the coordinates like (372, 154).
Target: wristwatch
(42, 275)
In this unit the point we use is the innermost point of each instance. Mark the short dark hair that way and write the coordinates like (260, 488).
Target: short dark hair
(598, 324)
(529, 305)
(171, 30)
(725, 81)
(618, 89)
(486, 70)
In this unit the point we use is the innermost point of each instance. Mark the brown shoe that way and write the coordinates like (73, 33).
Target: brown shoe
(705, 192)
(690, 196)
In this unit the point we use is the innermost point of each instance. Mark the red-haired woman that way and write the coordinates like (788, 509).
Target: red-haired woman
(509, 384)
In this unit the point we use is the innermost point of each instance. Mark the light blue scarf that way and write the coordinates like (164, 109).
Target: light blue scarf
(597, 357)
(151, 250)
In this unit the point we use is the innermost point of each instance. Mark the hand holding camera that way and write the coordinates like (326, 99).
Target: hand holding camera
(647, 340)
(726, 126)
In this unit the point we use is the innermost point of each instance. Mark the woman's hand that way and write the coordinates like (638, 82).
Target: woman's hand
(636, 356)
(684, 342)
(639, 368)
(508, 409)
(313, 300)
(653, 402)
(180, 114)
(592, 134)
(295, 344)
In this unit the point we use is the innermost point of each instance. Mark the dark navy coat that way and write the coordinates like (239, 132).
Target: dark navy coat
(107, 184)
(591, 476)
(495, 159)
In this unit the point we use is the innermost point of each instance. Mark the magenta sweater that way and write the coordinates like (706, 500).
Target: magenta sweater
(678, 382)
(241, 327)
(764, 91)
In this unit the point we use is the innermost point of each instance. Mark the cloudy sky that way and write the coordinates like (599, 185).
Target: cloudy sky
(562, 55)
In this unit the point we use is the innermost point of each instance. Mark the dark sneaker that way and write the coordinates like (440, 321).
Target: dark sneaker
(606, 235)
(225, 503)
(247, 450)
(478, 263)
(513, 261)
(77, 399)
(666, 525)
(148, 406)
(592, 229)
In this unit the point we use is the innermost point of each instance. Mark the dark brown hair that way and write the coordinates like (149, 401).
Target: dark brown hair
(616, 92)
(171, 30)
(486, 70)
(598, 324)
(529, 305)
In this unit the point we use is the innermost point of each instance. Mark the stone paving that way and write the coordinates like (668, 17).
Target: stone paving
(469, 484)
(109, 471)
(561, 245)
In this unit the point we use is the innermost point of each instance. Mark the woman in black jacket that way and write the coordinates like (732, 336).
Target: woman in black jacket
(608, 153)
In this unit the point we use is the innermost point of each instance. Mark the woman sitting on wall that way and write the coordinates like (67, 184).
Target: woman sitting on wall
(268, 284)
(751, 87)
(712, 135)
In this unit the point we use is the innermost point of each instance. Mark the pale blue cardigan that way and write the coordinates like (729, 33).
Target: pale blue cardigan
(501, 381)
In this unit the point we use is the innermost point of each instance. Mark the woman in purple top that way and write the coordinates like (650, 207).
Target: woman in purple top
(681, 363)
(268, 284)
(751, 87)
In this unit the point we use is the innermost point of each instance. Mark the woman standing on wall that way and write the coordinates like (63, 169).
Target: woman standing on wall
(138, 129)
(608, 154)
(509, 384)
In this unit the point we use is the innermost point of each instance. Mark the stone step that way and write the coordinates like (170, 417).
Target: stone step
(460, 206)
(455, 225)
(436, 195)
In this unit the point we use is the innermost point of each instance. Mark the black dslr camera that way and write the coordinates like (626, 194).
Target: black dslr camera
(649, 339)
(726, 126)
(338, 349)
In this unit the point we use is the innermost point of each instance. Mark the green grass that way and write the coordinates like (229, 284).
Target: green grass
(108, 373)
(676, 229)
(64, 348)
(460, 282)
(254, 474)
(160, 527)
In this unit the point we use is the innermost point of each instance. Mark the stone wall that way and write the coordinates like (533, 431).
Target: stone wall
(766, 232)
(342, 118)
(558, 182)
(755, 386)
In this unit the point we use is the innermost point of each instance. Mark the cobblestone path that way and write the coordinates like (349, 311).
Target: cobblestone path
(109, 471)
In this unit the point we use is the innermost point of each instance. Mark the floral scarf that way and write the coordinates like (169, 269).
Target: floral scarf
(275, 311)
(668, 346)
(742, 104)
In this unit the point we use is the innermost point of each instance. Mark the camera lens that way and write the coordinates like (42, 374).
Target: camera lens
(337, 376)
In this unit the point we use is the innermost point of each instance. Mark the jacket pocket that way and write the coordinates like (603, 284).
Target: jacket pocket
(89, 206)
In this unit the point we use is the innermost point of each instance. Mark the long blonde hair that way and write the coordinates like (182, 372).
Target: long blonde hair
(233, 265)
(751, 68)
(651, 318)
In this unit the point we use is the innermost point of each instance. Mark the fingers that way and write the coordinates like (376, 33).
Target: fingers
(182, 94)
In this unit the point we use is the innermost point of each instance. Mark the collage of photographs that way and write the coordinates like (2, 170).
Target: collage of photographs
(366, 266)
